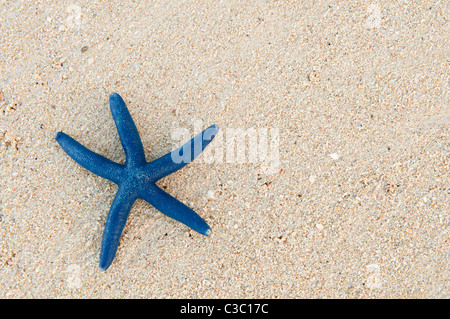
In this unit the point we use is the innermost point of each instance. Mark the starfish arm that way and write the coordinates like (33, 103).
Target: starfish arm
(90, 160)
(183, 155)
(115, 223)
(175, 209)
(128, 133)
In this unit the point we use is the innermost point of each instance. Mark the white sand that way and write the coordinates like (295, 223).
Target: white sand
(358, 208)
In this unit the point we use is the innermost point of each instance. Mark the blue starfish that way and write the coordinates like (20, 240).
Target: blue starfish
(137, 178)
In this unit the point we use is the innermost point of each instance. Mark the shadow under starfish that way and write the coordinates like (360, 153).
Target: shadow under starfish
(137, 178)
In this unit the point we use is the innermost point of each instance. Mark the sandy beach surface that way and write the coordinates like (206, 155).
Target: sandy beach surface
(351, 201)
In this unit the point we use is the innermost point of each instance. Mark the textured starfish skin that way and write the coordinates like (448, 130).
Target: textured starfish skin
(137, 178)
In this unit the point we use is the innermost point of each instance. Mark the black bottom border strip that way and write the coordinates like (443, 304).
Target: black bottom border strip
(222, 308)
